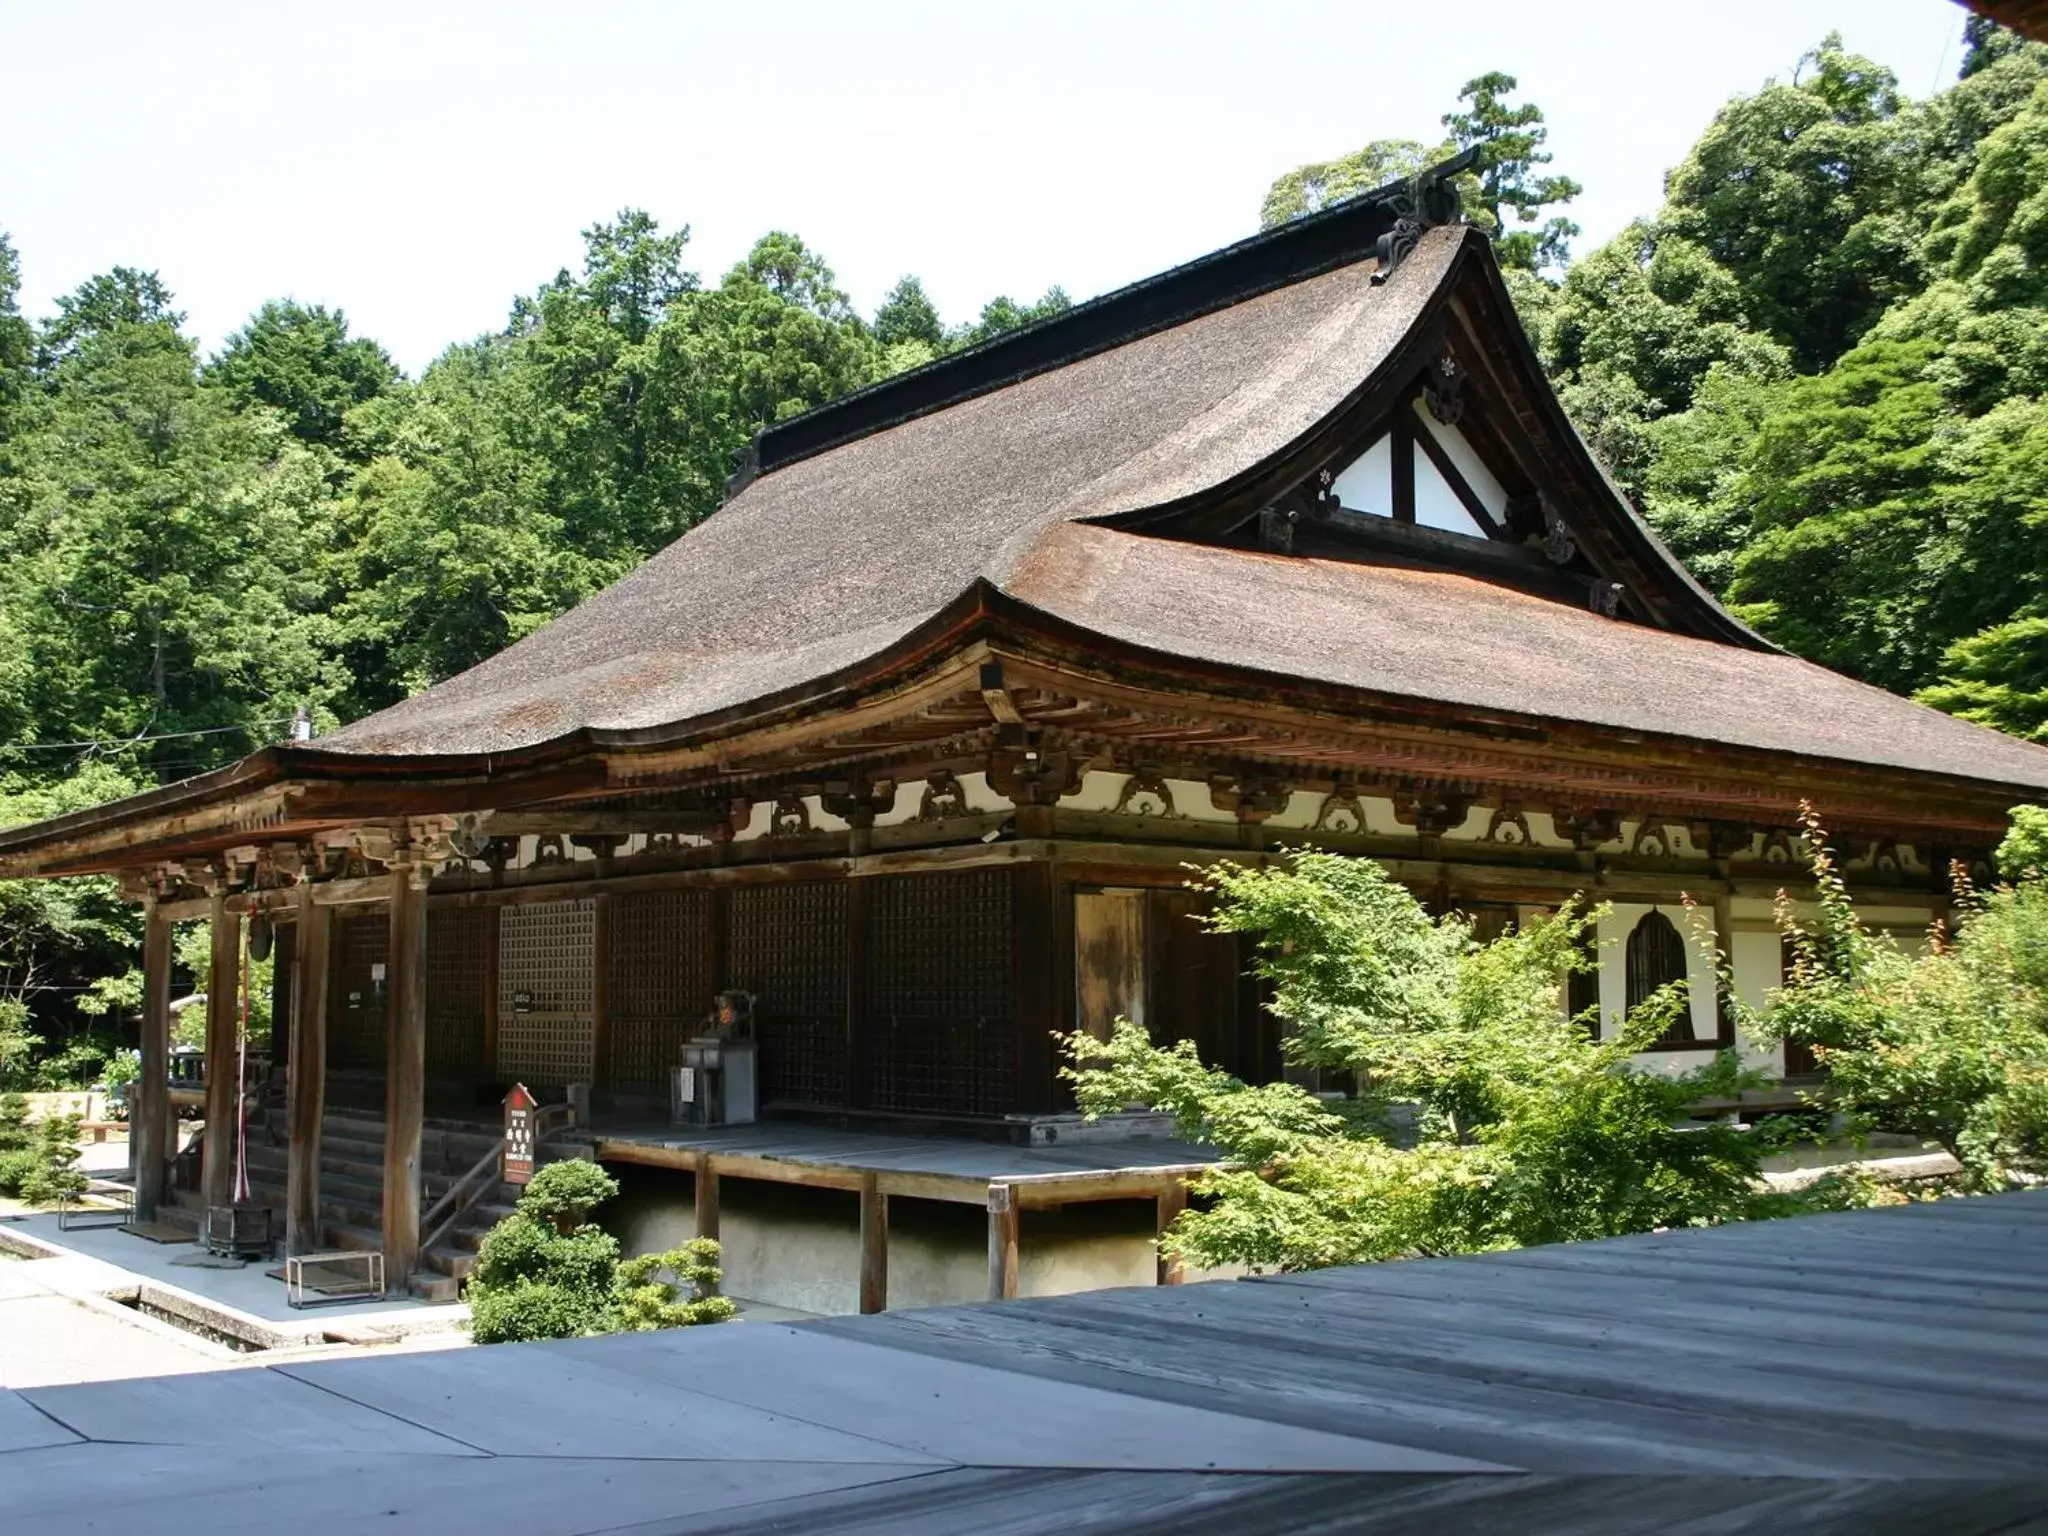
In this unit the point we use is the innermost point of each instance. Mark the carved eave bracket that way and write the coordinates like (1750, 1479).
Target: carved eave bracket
(1431, 812)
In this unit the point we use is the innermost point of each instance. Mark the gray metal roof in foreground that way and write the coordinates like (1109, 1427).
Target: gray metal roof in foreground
(1884, 1371)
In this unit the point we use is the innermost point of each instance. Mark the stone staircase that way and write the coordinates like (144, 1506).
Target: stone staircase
(352, 1187)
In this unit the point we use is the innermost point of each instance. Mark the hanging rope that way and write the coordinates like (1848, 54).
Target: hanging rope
(242, 1079)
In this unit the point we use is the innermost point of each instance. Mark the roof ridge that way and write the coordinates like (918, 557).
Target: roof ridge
(1346, 232)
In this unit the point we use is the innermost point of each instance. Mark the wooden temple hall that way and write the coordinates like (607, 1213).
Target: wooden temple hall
(906, 751)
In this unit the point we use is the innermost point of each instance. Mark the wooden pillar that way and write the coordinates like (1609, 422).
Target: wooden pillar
(1171, 1203)
(222, 1061)
(707, 1197)
(307, 1074)
(1002, 1243)
(405, 1068)
(149, 1120)
(874, 1244)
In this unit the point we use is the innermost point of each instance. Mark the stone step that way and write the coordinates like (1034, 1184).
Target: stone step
(352, 1213)
(428, 1285)
(449, 1261)
(363, 1239)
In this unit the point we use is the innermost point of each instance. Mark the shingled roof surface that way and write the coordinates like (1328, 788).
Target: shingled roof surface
(829, 561)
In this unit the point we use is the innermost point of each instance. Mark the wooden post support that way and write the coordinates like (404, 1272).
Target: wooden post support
(150, 1118)
(405, 1068)
(1002, 1243)
(707, 1197)
(222, 1061)
(307, 1075)
(874, 1244)
(1171, 1204)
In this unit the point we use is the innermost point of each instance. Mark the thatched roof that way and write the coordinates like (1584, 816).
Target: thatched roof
(831, 559)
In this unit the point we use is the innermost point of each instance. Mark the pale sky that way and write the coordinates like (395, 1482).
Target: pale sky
(419, 164)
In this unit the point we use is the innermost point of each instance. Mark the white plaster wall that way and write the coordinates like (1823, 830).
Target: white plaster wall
(1098, 792)
(1754, 967)
(1437, 505)
(1458, 449)
(1366, 484)
(1615, 926)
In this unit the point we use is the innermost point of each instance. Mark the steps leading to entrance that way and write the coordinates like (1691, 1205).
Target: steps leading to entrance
(352, 1186)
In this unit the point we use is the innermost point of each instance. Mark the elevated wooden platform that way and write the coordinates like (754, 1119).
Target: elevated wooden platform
(1006, 1179)
(920, 1167)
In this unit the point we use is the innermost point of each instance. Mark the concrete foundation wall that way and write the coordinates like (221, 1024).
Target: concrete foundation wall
(800, 1248)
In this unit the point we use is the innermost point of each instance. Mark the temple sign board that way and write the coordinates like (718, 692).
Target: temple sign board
(519, 1135)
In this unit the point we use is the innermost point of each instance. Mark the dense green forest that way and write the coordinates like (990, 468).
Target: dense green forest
(1821, 367)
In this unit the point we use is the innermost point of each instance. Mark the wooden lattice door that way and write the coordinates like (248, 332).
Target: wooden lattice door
(546, 1025)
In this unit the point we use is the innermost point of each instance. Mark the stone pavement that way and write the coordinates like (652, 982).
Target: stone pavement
(1873, 1372)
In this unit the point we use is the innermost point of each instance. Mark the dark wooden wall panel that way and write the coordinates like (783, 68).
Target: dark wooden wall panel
(1193, 980)
(786, 944)
(355, 1013)
(658, 984)
(941, 993)
(458, 981)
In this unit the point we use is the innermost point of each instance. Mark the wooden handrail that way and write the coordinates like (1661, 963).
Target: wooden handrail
(473, 1183)
(460, 1197)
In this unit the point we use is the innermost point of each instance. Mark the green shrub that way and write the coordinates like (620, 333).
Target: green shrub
(546, 1273)
(16, 1169)
(16, 1134)
(567, 1192)
(38, 1163)
(528, 1310)
(1485, 1118)
(677, 1289)
(1950, 1045)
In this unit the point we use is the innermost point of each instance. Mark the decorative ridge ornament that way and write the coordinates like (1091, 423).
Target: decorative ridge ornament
(1429, 200)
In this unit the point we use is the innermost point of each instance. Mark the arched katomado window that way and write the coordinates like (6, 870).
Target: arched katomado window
(1656, 958)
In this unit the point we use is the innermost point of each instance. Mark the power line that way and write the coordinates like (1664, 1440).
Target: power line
(136, 741)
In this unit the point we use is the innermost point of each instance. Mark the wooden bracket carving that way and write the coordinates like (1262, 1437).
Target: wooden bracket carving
(1252, 800)
(1588, 828)
(1146, 793)
(1723, 839)
(791, 816)
(857, 802)
(1509, 827)
(1342, 813)
(1027, 775)
(1431, 812)
(944, 798)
